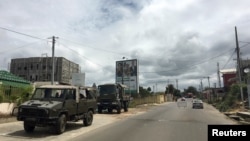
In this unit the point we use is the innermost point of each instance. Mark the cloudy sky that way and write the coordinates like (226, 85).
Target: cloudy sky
(172, 39)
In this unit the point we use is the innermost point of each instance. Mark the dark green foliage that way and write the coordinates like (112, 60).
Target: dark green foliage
(230, 99)
(1, 98)
(144, 92)
(191, 89)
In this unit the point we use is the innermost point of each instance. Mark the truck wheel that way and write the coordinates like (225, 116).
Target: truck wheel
(61, 124)
(110, 110)
(118, 110)
(87, 121)
(125, 106)
(28, 128)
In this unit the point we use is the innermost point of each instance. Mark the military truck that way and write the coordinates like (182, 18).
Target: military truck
(55, 105)
(112, 96)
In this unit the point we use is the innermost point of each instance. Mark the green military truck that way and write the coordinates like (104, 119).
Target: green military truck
(112, 96)
(55, 105)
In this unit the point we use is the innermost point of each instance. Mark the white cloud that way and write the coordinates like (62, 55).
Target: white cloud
(172, 40)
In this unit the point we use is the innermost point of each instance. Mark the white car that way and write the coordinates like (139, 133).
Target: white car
(197, 104)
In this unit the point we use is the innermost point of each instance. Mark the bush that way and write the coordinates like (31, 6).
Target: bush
(230, 99)
(1, 98)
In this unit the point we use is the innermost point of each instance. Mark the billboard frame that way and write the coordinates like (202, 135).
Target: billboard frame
(127, 74)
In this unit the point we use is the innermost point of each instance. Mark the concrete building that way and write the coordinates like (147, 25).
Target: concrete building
(229, 77)
(39, 69)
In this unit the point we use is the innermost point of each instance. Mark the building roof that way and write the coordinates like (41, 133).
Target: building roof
(7, 78)
(228, 71)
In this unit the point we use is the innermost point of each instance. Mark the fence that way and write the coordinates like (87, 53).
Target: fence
(148, 100)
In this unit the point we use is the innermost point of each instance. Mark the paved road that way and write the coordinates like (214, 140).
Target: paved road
(12, 131)
(166, 122)
(163, 122)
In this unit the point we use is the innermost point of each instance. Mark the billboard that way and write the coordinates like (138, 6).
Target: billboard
(127, 74)
(78, 79)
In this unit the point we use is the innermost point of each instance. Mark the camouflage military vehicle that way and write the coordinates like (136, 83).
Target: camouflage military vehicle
(55, 105)
(112, 96)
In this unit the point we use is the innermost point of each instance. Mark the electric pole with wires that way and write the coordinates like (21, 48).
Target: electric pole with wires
(53, 58)
(239, 64)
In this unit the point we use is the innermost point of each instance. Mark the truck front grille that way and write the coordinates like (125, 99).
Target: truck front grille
(33, 112)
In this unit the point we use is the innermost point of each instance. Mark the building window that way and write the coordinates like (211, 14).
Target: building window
(37, 66)
(25, 68)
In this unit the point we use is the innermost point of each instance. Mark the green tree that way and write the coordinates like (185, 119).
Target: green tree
(230, 99)
(177, 93)
(192, 90)
(26, 93)
(143, 92)
(149, 89)
(170, 89)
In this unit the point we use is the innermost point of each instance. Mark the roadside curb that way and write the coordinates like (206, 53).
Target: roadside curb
(240, 118)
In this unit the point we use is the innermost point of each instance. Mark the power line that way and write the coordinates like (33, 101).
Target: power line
(93, 47)
(14, 49)
(79, 54)
(189, 66)
(21, 33)
(247, 43)
(228, 60)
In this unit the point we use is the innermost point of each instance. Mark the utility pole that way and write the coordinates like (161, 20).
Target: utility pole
(208, 81)
(53, 59)
(239, 64)
(218, 73)
(177, 84)
(201, 86)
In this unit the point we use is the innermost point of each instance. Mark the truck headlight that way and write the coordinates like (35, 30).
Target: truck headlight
(46, 111)
(20, 110)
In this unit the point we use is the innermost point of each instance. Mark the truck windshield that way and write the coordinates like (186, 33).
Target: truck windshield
(107, 89)
(43, 93)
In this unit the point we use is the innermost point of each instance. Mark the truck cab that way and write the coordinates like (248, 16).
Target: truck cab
(55, 105)
(112, 96)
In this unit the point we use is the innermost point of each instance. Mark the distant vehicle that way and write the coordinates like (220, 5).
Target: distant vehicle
(183, 99)
(112, 96)
(182, 102)
(197, 104)
(189, 95)
(54, 105)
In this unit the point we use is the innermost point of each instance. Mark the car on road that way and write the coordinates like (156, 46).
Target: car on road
(183, 99)
(197, 104)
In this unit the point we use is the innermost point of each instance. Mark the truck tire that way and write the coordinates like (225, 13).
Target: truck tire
(125, 106)
(110, 110)
(118, 109)
(28, 128)
(87, 121)
(60, 124)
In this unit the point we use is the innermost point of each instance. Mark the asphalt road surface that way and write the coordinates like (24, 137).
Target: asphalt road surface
(164, 122)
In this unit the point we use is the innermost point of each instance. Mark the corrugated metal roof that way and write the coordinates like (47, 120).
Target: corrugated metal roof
(8, 78)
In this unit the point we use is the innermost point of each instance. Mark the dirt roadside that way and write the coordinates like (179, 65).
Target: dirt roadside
(132, 111)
